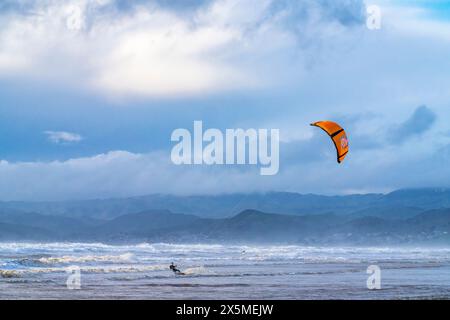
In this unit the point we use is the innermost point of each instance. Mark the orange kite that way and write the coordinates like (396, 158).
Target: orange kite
(337, 134)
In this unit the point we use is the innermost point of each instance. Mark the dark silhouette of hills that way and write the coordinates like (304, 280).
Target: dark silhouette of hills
(398, 204)
(400, 217)
(249, 226)
(15, 232)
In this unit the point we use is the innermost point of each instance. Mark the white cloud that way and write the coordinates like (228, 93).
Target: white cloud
(63, 137)
(152, 50)
(310, 168)
(116, 173)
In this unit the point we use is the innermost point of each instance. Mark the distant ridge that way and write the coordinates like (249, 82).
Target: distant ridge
(250, 226)
(405, 201)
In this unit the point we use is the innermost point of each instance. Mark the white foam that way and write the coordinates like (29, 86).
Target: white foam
(196, 270)
(86, 269)
(87, 258)
(9, 274)
(164, 253)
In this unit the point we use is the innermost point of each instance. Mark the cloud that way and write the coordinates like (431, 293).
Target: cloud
(313, 58)
(313, 170)
(151, 49)
(420, 121)
(59, 137)
(116, 174)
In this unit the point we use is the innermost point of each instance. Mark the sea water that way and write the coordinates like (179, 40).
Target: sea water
(141, 271)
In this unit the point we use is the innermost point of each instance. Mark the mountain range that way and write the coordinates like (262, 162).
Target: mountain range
(408, 201)
(401, 217)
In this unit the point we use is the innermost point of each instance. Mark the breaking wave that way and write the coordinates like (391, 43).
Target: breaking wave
(9, 274)
(88, 258)
(84, 269)
(196, 270)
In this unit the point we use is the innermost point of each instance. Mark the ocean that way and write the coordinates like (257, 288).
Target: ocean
(141, 271)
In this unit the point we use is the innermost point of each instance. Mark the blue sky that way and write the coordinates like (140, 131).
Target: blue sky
(90, 92)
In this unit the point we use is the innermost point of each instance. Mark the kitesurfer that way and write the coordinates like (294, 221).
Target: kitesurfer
(173, 267)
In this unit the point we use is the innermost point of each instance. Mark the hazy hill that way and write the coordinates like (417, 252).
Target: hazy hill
(400, 217)
(431, 198)
(142, 225)
(401, 203)
(15, 232)
(250, 226)
(55, 226)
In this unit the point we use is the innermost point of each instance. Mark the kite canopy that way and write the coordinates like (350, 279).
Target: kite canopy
(337, 134)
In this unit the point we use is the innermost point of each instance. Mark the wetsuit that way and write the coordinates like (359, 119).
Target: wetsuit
(174, 268)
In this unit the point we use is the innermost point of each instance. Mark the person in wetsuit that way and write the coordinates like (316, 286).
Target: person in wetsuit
(174, 268)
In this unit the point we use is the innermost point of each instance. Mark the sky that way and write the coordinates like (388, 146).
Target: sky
(90, 92)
